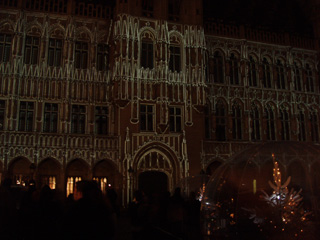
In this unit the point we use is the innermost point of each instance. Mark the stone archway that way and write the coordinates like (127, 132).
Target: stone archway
(49, 173)
(106, 174)
(77, 170)
(153, 182)
(20, 171)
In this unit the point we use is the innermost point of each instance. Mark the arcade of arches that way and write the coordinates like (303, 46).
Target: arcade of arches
(52, 173)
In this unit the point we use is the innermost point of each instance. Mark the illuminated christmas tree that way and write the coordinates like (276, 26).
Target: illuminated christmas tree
(281, 215)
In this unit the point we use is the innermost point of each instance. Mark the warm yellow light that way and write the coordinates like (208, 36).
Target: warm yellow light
(254, 186)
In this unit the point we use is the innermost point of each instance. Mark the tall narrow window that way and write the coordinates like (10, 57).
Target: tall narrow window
(236, 122)
(207, 123)
(285, 124)
(314, 122)
(297, 77)
(102, 119)
(55, 52)
(255, 124)
(147, 8)
(252, 72)
(146, 117)
(78, 118)
(302, 126)
(266, 74)
(50, 120)
(234, 70)
(102, 57)
(71, 184)
(281, 81)
(218, 68)
(221, 121)
(147, 54)
(309, 79)
(174, 10)
(5, 47)
(26, 116)
(2, 113)
(51, 181)
(81, 55)
(175, 119)
(31, 51)
(270, 122)
(175, 59)
(102, 183)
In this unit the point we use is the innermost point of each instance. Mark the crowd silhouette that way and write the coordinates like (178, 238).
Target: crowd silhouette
(32, 213)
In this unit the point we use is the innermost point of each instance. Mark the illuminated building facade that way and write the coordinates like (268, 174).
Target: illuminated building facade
(132, 92)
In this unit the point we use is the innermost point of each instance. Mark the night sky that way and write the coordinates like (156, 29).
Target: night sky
(280, 15)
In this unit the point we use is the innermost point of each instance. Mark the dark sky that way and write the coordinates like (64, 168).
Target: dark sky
(280, 15)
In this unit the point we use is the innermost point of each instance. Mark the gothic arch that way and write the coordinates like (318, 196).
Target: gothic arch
(220, 51)
(6, 25)
(158, 157)
(83, 33)
(176, 37)
(147, 33)
(78, 167)
(34, 29)
(57, 31)
(20, 171)
(49, 165)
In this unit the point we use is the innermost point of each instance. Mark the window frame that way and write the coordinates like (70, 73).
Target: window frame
(221, 121)
(145, 116)
(56, 52)
(52, 119)
(175, 58)
(34, 48)
(147, 55)
(26, 124)
(234, 69)
(2, 114)
(5, 47)
(175, 119)
(99, 117)
(78, 119)
(82, 60)
(237, 133)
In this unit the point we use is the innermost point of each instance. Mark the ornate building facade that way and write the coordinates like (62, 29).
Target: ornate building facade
(136, 92)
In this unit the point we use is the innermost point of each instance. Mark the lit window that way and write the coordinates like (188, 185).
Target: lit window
(50, 181)
(5, 47)
(71, 184)
(102, 183)
(26, 116)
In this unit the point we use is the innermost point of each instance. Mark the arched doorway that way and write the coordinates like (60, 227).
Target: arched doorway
(20, 171)
(77, 170)
(104, 173)
(49, 173)
(153, 182)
